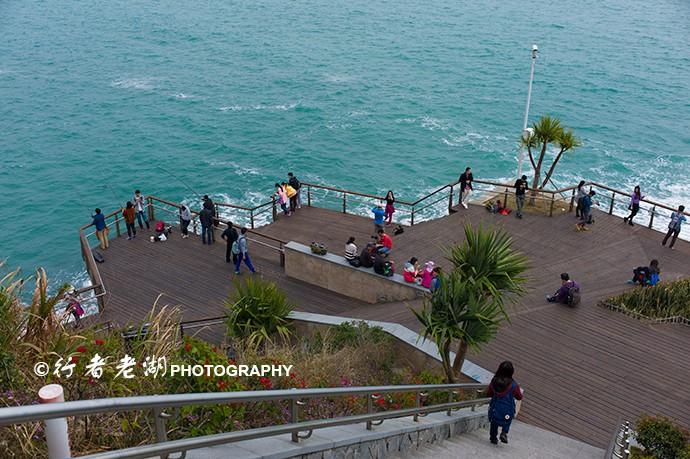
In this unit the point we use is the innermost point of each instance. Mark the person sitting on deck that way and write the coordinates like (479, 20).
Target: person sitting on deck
(385, 244)
(366, 258)
(351, 252)
(411, 272)
(646, 275)
(427, 274)
(568, 293)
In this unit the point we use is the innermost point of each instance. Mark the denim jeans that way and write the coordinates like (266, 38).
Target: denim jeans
(185, 225)
(520, 201)
(247, 261)
(131, 229)
(141, 215)
(493, 431)
(671, 232)
(207, 236)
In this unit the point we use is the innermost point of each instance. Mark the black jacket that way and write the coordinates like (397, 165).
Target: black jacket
(230, 235)
(206, 217)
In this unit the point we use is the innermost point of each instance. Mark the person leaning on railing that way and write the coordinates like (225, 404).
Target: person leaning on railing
(677, 219)
(466, 186)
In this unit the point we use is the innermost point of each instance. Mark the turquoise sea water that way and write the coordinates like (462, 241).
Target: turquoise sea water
(366, 95)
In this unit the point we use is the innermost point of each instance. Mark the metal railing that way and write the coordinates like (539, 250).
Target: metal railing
(299, 430)
(619, 446)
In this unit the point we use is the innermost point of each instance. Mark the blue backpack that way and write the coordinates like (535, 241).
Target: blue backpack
(502, 409)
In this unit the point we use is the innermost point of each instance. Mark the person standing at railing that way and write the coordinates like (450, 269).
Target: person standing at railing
(579, 196)
(101, 228)
(128, 214)
(585, 212)
(292, 196)
(241, 249)
(504, 392)
(282, 198)
(390, 207)
(677, 219)
(214, 209)
(185, 219)
(520, 189)
(140, 208)
(230, 236)
(465, 186)
(294, 183)
(379, 215)
(206, 219)
(634, 206)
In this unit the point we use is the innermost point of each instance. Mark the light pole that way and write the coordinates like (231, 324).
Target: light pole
(525, 132)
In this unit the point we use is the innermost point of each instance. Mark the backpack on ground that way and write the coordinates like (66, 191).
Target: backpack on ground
(502, 408)
(318, 248)
(573, 298)
(160, 226)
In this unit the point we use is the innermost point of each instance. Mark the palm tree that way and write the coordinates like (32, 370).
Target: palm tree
(547, 130)
(566, 141)
(470, 304)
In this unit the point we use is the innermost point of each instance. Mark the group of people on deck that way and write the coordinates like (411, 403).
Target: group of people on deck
(288, 194)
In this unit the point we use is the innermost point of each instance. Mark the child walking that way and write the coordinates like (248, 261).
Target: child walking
(504, 391)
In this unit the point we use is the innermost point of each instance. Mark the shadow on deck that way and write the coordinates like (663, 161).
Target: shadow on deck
(581, 368)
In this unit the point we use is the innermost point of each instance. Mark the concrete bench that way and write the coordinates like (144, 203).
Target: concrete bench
(334, 273)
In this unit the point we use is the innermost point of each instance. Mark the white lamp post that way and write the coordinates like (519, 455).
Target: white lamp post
(525, 133)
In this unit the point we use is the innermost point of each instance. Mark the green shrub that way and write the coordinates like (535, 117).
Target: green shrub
(257, 312)
(666, 299)
(661, 438)
(356, 333)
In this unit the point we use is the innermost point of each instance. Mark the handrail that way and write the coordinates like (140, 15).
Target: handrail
(354, 193)
(29, 413)
(157, 403)
(619, 446)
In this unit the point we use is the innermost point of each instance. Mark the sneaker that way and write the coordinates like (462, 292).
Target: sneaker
(625, 219)
(504, 437)
(584, 228)
(237, 272)
(630, 223)
(464, 205)
(129, 238)
(494, 441)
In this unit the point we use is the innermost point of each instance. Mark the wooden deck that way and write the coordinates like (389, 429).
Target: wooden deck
(581, 368)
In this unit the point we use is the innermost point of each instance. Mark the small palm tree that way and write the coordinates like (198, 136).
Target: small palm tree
(566, 141)
(546, 131)
(258, 312)
(469, 306)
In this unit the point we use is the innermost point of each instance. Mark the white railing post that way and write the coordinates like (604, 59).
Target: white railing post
(56, 429)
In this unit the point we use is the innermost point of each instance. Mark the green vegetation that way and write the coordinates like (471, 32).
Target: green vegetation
(666, 299)
(470, 304)
(352, 354)
(257, 312)
(548, 131)
(661, 439)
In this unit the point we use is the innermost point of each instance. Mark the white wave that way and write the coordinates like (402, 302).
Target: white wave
(434, 124)
(231, 108)
(182, 96)
(406, 120)
(277, 107)
(238, 169)
(145, 84)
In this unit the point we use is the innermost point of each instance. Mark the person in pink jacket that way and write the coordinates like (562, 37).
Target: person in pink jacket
(283, 199)
(427, 274)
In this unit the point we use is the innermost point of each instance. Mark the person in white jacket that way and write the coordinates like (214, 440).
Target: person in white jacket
(140, 207)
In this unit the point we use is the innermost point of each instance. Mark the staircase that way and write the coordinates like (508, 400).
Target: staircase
(525, 441)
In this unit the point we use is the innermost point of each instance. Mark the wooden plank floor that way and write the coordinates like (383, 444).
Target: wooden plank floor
(581, 368)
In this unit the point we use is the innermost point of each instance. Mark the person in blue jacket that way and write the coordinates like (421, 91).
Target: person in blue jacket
(101, 228)
(379, 215)
(504, 391)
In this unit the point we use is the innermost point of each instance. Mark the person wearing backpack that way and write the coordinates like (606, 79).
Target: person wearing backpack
(230, 236)
(568, 293)
(239, 248)
(294, 183)
(504, 391)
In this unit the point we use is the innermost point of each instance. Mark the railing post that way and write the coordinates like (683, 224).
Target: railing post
(294, 418)
(251, 218)
(418, 404)
(412, 217)
(572, 201)
(309, 196)
(370, 409)
(613, 198)
(117, 226)
(273, 205)
(553, 200)
(282, 255)
(57, 436)
(651, 217)
(344, 202)
(161, 432)
(450, 400)
(505, 199)
(450, 200)
(150, 209)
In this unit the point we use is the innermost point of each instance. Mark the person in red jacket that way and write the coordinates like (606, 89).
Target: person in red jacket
(385, 244)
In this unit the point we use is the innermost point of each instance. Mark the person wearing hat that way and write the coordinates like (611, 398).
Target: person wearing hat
(520, 189)
(379, 215)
